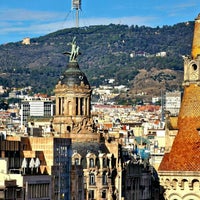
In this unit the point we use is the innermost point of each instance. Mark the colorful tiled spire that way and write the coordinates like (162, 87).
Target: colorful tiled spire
(196, 38)
(185, 151)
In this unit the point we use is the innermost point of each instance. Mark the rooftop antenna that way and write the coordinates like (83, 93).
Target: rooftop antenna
(76, 5)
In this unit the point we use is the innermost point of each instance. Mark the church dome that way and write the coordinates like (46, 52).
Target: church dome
(73, 76)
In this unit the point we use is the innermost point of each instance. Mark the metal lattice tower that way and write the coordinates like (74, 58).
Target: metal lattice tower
(76, 5)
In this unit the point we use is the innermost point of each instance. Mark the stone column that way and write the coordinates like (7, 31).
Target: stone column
(74, 107)
(88, 106)
(65, 106)
(79, 106)
(57, 106)
(84, 106)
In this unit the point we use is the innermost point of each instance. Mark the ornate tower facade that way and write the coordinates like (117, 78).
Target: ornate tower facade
(94, 160)
(180, 168)
(73, 98)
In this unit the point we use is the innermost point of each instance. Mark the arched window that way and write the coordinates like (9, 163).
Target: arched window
(103, 194)
(76, 161)
(91, 164)
(69, 128)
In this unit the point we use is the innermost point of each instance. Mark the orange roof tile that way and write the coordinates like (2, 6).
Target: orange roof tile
(185, 151)
(108, 125)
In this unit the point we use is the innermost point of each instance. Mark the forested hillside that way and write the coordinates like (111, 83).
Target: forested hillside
(112, 51)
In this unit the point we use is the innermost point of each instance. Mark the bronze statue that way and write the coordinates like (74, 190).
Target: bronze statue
(74, 51)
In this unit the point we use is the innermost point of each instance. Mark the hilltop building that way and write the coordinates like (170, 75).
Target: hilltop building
(26, 41)
(179, 170)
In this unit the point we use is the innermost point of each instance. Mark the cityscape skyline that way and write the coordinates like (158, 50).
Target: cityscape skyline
(37, 18)
(123, 152)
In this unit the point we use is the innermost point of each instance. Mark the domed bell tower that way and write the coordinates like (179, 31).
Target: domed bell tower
(73, 98)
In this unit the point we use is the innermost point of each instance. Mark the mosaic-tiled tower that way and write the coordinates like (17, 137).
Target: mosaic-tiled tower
(180, 168)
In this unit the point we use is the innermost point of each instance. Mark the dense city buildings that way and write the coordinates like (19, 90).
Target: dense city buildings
(72, 149)
(96, 151)
(34, 167)
(74, 152)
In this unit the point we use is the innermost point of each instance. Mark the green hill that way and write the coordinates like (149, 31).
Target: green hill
(111, 51)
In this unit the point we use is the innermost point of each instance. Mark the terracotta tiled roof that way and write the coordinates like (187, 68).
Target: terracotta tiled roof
(149, 108)
(108, 125)
(185, 151)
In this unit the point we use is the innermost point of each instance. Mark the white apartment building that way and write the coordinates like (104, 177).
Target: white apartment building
(36, 107)
(173, 102)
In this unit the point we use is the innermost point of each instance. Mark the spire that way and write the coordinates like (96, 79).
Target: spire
(185, 151)
(196, 38)
(192, 63)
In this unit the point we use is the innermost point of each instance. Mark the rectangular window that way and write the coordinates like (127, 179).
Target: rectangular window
(103, 195)
(92, 179)
(104, 178)
(91, 194)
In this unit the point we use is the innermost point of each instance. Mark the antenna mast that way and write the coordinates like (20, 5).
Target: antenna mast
(76, 5)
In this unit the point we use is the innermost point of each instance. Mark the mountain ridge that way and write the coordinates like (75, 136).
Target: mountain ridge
(106, 53)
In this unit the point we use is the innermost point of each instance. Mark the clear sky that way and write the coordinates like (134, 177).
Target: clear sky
(34, 18)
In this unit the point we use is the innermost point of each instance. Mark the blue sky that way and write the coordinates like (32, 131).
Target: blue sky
(34, 18)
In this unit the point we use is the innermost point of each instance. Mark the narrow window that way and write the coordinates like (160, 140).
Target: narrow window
(104, 178)
(76, 161)
(92, 179)
(91, 162)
